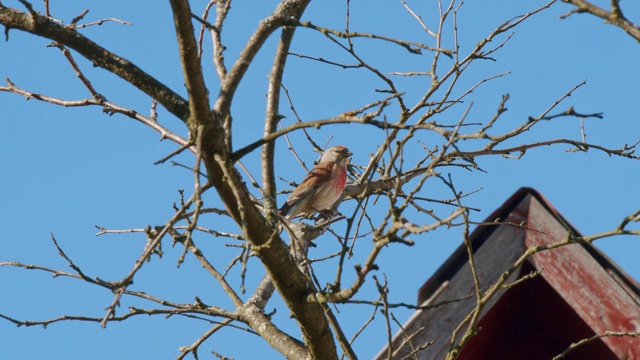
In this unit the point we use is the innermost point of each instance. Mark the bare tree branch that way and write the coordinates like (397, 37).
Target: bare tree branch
(43, 26)
(613, 17)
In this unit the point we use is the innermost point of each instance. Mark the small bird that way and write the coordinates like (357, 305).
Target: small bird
(322, 186)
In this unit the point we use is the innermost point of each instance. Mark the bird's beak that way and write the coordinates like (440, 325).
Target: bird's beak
(347, 153)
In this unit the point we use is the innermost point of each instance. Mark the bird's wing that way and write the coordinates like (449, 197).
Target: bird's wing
(316, 177)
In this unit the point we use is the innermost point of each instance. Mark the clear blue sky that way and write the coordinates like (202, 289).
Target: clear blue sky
(66, 170)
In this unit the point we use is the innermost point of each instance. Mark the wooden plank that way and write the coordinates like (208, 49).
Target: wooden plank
(492, 258)
(584, 284)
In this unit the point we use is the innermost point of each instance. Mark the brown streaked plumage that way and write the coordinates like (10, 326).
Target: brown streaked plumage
(322, 186)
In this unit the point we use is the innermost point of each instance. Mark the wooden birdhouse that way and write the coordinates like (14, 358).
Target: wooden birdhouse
(568, 294)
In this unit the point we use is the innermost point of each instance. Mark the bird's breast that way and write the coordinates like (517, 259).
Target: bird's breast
(341, 178)
(331, 191)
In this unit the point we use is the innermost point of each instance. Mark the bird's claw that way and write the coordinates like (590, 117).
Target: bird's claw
(327, 214)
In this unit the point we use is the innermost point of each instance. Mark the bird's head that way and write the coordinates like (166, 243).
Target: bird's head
(337, 154)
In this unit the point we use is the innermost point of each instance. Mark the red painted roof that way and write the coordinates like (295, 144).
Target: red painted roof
(481, 233)
(578, 293)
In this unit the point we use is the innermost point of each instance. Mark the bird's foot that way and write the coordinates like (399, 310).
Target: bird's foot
(327, 214)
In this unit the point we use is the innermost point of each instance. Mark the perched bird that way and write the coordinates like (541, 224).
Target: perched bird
(322, 186)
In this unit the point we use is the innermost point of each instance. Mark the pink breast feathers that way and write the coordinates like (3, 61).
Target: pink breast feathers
(340, 180)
